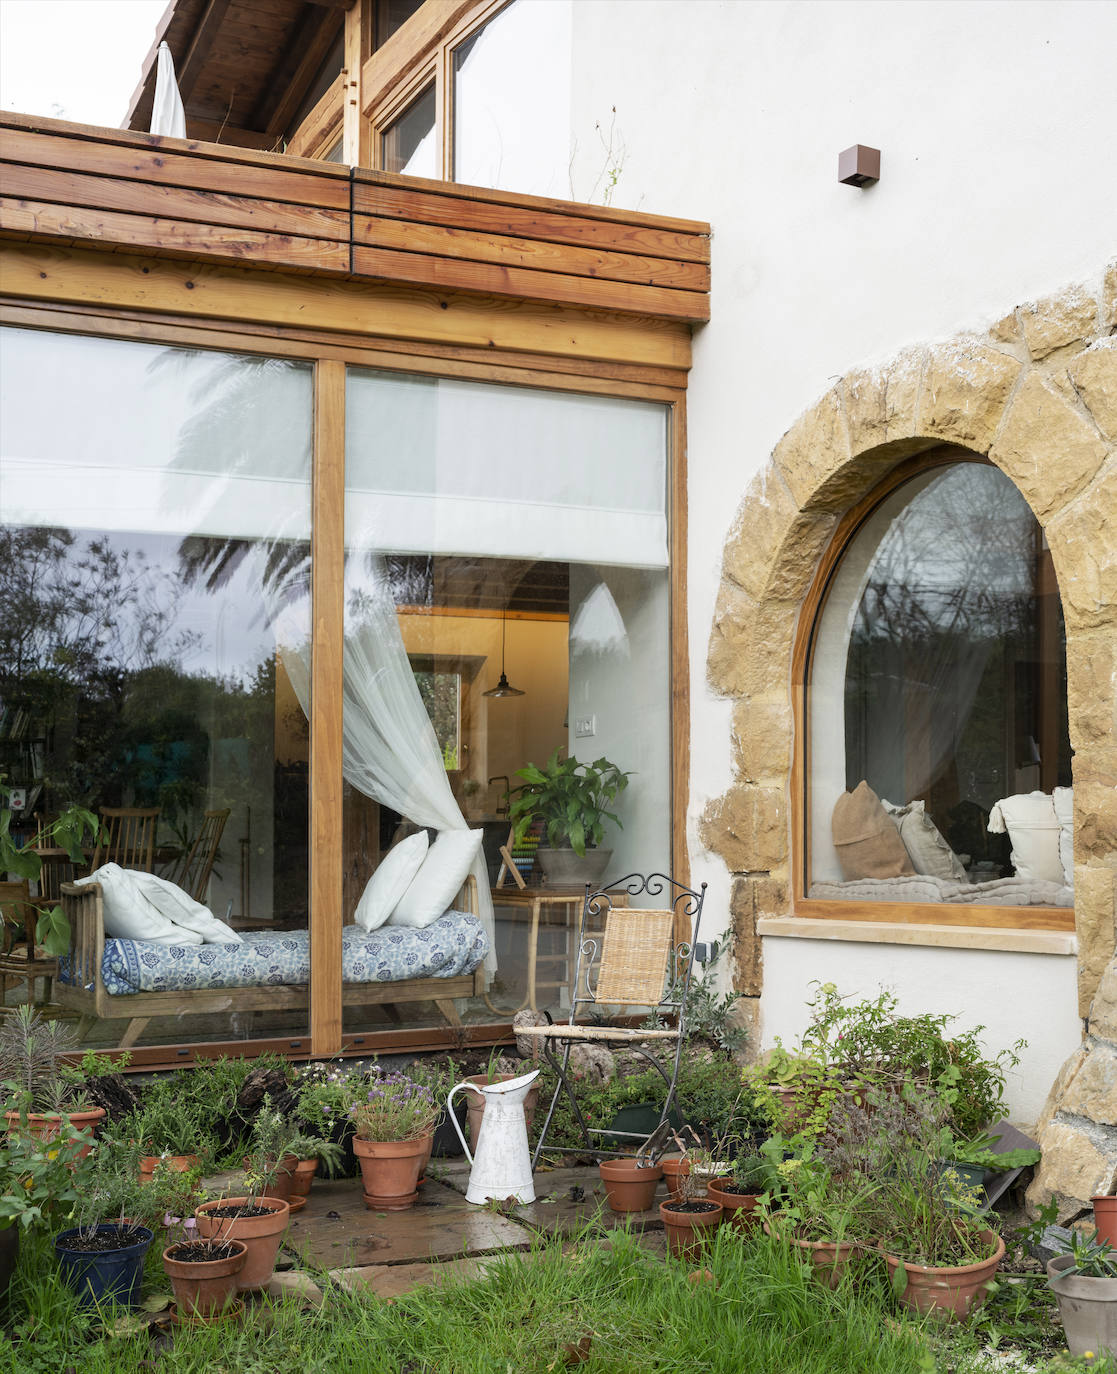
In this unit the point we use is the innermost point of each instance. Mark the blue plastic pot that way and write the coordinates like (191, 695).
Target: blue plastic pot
(104, 1275)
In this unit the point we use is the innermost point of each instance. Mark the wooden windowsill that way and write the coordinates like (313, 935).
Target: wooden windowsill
(904, 933)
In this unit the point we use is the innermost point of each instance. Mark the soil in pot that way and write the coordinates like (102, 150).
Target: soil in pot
(1105, 1216)
(689, 1225)
(1087, 1307)
(954, 1291)
(476, 1104)
(738, 1205)
(629, 1187)
(259, 1224)
(103, 1264)
(390, 1171)
(204, 1275)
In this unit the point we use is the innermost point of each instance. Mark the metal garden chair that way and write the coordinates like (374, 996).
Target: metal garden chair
(628, 957)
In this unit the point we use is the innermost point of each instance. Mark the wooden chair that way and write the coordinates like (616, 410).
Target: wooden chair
(193, 873)
(19, 962)
(127, 837)
(634, 961)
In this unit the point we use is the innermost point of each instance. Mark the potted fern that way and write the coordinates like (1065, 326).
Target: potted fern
(572, 800)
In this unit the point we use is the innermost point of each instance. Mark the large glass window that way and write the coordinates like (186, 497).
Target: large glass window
(155, 508)
(939, 757)
(409, 144)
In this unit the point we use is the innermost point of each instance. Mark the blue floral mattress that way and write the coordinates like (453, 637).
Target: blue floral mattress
(452, 945)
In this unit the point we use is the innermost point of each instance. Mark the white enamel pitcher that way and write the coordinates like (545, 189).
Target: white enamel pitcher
(502, 1167)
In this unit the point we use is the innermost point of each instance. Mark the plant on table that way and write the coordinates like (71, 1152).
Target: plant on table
(71, 830)
(571, 798)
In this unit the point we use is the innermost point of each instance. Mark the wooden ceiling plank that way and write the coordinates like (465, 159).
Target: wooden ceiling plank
(297, 68)
(189, 69)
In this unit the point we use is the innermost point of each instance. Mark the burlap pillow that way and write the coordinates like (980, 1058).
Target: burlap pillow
(866, 838)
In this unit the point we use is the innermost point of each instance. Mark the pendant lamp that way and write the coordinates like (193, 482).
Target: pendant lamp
(503, 687)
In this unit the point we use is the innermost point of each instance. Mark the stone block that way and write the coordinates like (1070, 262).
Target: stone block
(1096, 926)
(761, 738)
(1103, 1010)
(747, 827)
(882, 403)
(1109, 295)
(1092, 690)
(745, 1015)
(1083, 537)
(1048, 449)
(1006, 330)
(731, 640)
(1056, 321)
(965, 389)
(1094, 374)
(1072, 1066)
(1093, 1094)
(294, 1285)
(1074, 1167)
(748, 973)
(773, 547)
(814, 448)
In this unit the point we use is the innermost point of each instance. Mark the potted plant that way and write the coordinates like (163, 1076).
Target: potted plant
(39, 1183)
(688, 1220)
(322, 1097)
(171, 1127)
(1084, 1281)
(740, 1190)
(393, 1119)
(812, 1208)
(39, 1096)
(572, 800)
(496, 1072)
(71, 830)
(630, 1183)
(1105, 1216)
(204, 1273)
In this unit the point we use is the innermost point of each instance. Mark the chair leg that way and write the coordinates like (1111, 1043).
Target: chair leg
(563, 1085)
(446, 1006)
(133, 1031)
(86, 1022)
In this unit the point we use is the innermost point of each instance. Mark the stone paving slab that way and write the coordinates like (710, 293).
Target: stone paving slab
(393, 1280)
(337, 1231)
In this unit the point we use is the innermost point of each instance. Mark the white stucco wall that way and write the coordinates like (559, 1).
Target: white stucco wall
(997, 126)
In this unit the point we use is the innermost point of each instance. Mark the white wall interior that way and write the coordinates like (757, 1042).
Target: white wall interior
(1028, 997)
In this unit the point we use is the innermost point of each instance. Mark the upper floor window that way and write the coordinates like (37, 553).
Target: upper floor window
(938, 748)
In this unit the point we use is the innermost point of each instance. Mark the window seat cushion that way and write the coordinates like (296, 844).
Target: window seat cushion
(924, 888)
(452, 945)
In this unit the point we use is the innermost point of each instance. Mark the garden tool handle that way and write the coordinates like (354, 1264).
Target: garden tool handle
(450, 1112)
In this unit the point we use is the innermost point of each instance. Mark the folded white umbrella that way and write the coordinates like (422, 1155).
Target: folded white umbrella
(167, 115)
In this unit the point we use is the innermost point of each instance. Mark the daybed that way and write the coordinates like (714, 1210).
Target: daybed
(107, 978)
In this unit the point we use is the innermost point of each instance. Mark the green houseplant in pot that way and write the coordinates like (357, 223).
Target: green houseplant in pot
(38, 1095)
(572, 800)
(69, 831)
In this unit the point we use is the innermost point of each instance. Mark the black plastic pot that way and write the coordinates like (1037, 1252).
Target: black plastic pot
(9, 1257)
(447, 1145)
(100, 1276)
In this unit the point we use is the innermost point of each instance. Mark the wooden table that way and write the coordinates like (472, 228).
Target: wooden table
(556, 907)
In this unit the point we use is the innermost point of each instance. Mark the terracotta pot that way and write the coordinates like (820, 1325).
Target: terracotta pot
(47, 1125)
(830, 1258)
(955, 1291)
(738, 1209)
(390, 1171)
(204, 1290)
(673, 1167)
(629, 1187)
(284, 1182)
(305, 1170)
(687, 1232)
(177, 1164)
(262, 1235)
(1105, 1216)
(476, 1104)
(796, 1105)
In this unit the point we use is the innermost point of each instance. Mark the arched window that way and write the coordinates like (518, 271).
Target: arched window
(937, 754)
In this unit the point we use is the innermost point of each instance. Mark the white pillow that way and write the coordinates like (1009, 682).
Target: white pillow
(130, 916)
(390, 881)
(436, 884)
(1063, 799)
(928, 851)
(178, 906)
(1029, 818)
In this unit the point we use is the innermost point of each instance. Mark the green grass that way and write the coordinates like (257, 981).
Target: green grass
(642, 1316)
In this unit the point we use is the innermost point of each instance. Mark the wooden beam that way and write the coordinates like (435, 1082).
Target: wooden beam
(332, 4)
(355, 128)
(297, 68)
(327, 613)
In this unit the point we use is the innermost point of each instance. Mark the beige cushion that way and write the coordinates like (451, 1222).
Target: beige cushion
(928, 851)
(866, 837)
(1029, 818)
(391, 880)
(1063, 799)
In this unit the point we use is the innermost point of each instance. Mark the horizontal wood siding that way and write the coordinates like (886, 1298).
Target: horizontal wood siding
(180, 198)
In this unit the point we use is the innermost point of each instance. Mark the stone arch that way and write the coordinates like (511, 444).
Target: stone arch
(1041, 382)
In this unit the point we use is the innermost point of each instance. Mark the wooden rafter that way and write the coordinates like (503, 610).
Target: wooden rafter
(298, 67)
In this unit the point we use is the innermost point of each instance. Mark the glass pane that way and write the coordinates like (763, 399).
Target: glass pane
(391, 17)
(521, 655)
(335, 154)
(156, 508)
(938, 679)
(512, 106)
(409, 144)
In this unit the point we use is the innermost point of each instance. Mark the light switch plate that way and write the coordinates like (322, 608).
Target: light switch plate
(585, 726)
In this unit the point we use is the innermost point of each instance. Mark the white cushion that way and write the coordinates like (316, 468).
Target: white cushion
(1029, 818)
(130, 916)
(437, 883)
(927, 849)
(390, 881)
(178, 906)
(1063, 800)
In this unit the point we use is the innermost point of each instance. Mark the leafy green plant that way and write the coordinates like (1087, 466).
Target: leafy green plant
(40, 1180)
(1093, 1258)
(980, 1153)
(322, 1094)
(571, 798)
(275, 1138)
(111, 1189)
(30, 1075)
(70, 831)
(707, 1012)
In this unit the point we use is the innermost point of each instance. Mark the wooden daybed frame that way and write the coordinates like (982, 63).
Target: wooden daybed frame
(88, 996)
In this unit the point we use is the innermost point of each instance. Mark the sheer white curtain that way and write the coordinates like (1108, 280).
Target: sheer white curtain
(390, 750)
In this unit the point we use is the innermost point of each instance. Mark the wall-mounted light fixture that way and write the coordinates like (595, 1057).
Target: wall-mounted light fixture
(859, 166)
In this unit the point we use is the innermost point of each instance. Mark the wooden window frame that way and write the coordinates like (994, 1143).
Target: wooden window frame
(330, 357)
(905, 913)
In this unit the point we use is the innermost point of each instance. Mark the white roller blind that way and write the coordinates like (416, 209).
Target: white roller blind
(450, 467)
